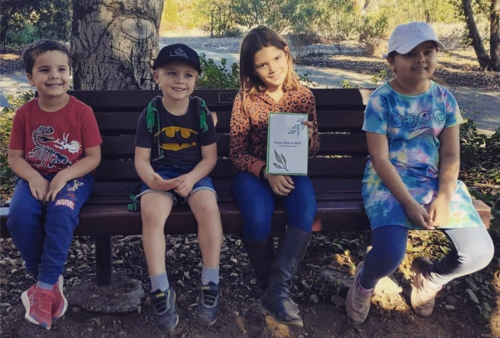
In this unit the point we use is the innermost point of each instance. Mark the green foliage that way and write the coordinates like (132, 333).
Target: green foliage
(218, 77)
(480, 165)
(340, 21)
(6, 118)
(179, 14)
(28, 21)
(217, 16)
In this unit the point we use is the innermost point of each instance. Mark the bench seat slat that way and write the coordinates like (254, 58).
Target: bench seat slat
(97, 220)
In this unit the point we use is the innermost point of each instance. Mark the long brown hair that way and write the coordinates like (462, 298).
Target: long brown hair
(256, 39)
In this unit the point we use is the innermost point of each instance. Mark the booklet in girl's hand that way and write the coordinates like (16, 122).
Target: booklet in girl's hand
(287, 144)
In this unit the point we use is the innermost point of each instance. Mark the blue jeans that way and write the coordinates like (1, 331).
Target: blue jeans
(43, 232)
(472, 250)
(256, 201)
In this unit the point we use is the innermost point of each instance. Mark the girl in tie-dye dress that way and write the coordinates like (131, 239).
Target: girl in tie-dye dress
(410, 180)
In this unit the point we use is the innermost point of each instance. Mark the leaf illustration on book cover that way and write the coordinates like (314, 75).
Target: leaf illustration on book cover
(281, 159)
(278, 157)
(294, 129)
(302, 125)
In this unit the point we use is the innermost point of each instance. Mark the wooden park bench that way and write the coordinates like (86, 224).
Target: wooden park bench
(336, 171)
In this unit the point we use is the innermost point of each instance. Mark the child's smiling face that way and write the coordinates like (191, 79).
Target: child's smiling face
(51, 74)
(271, 66)
(416, 66)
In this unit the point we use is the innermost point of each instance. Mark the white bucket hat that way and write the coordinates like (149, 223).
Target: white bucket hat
(407, 36)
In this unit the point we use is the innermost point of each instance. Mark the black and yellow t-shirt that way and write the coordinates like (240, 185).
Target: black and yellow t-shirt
(181, 137)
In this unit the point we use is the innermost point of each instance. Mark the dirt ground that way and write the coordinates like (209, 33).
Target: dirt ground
(321, 299)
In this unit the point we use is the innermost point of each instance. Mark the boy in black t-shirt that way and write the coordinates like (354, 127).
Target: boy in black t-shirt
(173, 160)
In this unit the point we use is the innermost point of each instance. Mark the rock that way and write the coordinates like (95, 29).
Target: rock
(75, 309)
(451, 300)
(450, 307)
(181, 299)
(124, 295)
(244, 269)
(387, 286)
(338, 301)
(313, 299)
(335, 278)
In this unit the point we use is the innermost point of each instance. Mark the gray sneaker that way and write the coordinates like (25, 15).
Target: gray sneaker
(357, 303)
(423, 296)
(207, 310)
(164, 309)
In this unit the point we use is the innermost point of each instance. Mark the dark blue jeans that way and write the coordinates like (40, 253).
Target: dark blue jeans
(256, 201)
(43, 233)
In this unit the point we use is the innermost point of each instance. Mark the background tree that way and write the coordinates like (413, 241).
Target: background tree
(25, 21)
(113, 44)
(491, 61)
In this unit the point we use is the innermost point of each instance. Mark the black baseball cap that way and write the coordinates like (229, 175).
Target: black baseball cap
(178, 52)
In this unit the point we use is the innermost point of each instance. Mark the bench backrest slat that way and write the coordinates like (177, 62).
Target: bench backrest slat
(342, 154)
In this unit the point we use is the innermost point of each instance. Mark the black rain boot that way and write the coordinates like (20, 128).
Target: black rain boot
(276, 301)
(261, 256)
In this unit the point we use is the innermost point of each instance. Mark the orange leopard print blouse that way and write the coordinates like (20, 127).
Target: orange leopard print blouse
(248, 137)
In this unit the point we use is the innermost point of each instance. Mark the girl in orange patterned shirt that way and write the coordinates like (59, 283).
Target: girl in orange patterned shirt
(269, 84)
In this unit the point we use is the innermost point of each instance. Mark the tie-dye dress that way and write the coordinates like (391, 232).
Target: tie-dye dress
(412, 125)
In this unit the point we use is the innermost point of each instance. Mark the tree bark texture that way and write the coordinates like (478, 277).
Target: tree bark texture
(495, 35)
(114, 43)
(477, 42)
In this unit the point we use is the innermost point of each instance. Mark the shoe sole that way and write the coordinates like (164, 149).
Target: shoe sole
(416, 285)
(176, 318)
(208, 324)
(349, 293)
(65, 308)
(266, 312)
(27, 306)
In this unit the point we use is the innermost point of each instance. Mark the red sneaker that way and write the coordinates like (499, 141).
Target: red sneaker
(59, 302)
(38, 305)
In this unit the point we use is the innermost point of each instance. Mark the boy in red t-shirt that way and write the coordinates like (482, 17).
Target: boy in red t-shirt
(54, 148)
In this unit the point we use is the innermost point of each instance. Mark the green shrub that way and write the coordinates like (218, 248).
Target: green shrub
(218, 77)
(480, 167)
(7, 177)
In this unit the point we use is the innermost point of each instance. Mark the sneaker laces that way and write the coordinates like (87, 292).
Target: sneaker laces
(210, 293)
(160, 301)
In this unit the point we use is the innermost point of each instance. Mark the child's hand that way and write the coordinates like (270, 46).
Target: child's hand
(56, 185)
(39, 187)
(160, 184)
(439, 212)
(418, 215)
(310, 129)
(185, 186)
(280, 184)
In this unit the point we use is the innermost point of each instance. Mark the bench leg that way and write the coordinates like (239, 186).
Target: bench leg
(104, 260)
(368, 239)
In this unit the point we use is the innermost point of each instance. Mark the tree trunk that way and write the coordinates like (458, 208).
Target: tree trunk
(495, 35)
(7, 8)
(482, 56)
(114, 43)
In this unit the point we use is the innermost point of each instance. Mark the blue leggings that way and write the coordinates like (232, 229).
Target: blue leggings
(256, 202)
(472, 251)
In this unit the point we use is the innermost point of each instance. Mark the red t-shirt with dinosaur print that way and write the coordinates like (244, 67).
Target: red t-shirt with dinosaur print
(56, 140)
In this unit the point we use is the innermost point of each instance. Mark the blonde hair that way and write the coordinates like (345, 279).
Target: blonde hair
(256, 39)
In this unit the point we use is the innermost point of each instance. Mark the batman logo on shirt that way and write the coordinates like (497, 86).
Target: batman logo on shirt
(189, 138)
